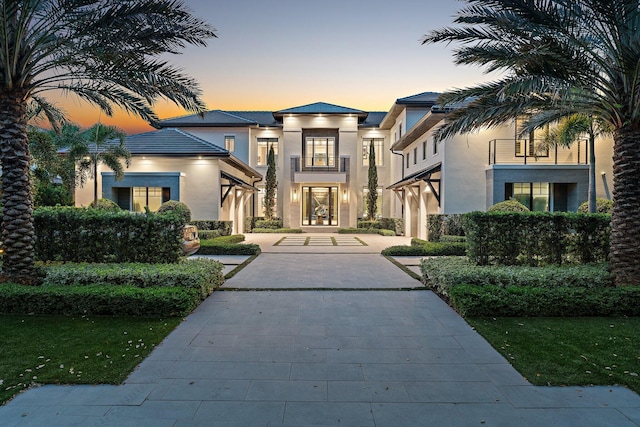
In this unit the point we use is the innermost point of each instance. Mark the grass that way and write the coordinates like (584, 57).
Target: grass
(74, 350)
(568, 351)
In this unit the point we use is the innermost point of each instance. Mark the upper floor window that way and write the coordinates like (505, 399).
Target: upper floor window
(435, 147)
(400, 130)
(230, 143)
(424, 150)
(408, 157)
(378, 146)
(415, 155)
(320, 152)
(264, 144)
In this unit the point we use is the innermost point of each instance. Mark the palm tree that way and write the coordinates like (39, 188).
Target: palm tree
(108, 52)
(559, 57)
(98, 145)
(567, 133)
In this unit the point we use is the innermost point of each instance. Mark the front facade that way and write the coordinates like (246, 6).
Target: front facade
(322, 157)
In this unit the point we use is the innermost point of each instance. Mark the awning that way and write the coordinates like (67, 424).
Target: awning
(423, 175)
(233, 182)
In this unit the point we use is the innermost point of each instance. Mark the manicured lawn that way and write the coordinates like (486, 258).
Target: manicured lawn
(568, 351)
(74, 350)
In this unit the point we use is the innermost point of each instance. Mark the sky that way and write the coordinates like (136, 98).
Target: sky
(275, 54)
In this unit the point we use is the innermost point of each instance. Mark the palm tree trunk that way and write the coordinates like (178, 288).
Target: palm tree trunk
(592, 173)
(625, 221)
(18, 237)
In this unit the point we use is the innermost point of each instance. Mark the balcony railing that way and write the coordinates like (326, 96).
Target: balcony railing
(531, 152)
(319, 164)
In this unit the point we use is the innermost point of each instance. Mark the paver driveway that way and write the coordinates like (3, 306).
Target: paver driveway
(312, 357)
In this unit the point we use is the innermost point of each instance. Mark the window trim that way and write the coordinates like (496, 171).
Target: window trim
(230, 143)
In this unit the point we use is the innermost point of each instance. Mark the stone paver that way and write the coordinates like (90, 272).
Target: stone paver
(313, 357)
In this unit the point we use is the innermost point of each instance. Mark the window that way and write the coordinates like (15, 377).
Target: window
(152, 197)
(400, 130)
(435, 147)
(534, 195)
(262, 194)
(408, 157)
(230, 143)
(378, 146)
(534, 146)
(415, 155)
(264, 144)
(365, 194)
(424, 150)
(320, 152)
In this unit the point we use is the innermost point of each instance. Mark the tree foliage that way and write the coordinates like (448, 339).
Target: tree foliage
(271, 185)
(557, 58)
(372, 186)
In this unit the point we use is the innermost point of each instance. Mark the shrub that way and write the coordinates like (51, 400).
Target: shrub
(179, 208)
(603, 206)
(537, 238)
(443, 274)
(439, 225)
(358, 231)
(107, 205)
(417, 242)
(93, 235)
(277, 230)
(223, 227)
(107, 300)
(384, 232)
(228, 245)
(496, 301)
(369, 224)
(447, 238)
(273, 224)
(428, 249)
(202, 275)
(508, 206)
(394, 224)
(208, 234)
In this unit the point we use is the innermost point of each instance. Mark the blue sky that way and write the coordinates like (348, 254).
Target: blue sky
(275, 54)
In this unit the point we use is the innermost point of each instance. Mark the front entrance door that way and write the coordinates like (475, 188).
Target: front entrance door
(319, 205)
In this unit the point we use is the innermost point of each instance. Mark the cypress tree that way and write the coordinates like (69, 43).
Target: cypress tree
(271, 185)
(372, 197)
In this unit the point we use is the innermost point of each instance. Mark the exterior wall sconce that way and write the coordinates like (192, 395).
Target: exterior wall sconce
(345, 196)
(294, 195)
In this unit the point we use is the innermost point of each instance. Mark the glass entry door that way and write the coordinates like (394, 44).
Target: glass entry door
(319, 205)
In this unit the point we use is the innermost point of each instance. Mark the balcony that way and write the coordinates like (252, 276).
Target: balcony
(318, 169)
(530, 152)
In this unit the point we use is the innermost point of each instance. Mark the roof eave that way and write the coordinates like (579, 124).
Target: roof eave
(431, 119)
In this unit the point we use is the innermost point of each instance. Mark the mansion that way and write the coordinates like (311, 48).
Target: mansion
(216, 164)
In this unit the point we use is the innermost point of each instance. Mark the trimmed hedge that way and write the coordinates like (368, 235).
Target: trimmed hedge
(272, 224)
(537, 238)
(208, 234)
(439, 225)
(236, 238)
(201, 275)
(427, 249)
(394, 224)
(358, 230)
(277, 230)
(216, 247)
(491, 301)
(444, 274)
(224, 227)
(105, 300)
(94, 235)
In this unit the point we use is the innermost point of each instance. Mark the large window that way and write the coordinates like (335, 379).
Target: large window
(153, 197)
(378, 146)
(264, 144)
(534, 195)
(320, 152)
(365, 195)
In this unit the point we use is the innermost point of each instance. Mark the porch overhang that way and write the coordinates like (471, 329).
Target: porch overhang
(234, 182)
(425, 175)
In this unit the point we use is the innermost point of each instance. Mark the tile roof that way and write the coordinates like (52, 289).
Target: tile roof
(210, 118)
(320, 108)
(424, 98)
(171, 141)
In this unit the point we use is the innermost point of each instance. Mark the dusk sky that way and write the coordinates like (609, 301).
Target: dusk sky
(275, 54)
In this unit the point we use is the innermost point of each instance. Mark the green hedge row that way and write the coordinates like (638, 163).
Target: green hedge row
(537, 238)
(491, 301)
(215, 247)
(105, 300)
(94, 235)
(272, 224)
(208, 234)
(394, 224)
(223, 227)
(444, 274)
(201, 275)
(277, 230)
(427, 249)
(439, 225)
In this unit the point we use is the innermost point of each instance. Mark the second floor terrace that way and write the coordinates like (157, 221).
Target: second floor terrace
(325, 169)
(535, 152)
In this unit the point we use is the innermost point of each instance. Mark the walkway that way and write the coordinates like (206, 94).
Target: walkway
(383, 356)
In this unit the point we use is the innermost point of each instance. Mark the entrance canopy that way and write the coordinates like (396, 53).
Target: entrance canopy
(425, 175)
